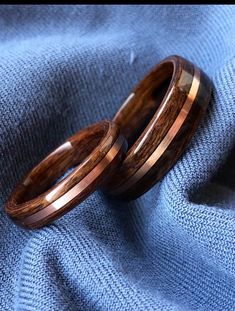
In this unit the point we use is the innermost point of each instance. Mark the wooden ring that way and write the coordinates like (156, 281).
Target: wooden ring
(94, 152)
(159, 119)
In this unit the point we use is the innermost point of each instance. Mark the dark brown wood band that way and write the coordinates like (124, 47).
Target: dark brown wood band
(159, 119)
(93, 152)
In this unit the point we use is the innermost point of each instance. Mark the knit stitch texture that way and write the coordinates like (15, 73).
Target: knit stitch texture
(65, 67)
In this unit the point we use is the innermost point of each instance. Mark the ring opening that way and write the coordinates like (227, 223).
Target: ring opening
(61, 162)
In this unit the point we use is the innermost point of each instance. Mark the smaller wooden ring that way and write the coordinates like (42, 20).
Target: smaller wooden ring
(93, 152)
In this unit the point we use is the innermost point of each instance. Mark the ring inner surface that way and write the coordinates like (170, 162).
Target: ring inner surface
(149, 95)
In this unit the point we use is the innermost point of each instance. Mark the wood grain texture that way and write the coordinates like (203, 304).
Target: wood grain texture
(151, 117)
(85, 150)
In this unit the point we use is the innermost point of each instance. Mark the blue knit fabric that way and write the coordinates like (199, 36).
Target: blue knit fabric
(64, 67)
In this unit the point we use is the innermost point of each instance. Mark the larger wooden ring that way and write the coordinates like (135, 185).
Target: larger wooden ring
(159, 119)
(94, 152)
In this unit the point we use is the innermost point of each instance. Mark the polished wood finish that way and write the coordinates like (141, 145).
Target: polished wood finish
(159, 119)
(93, 153)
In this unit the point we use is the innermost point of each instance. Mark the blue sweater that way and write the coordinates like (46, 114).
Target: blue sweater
(64, 67)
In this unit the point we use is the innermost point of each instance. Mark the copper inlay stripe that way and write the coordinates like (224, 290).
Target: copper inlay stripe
(175, 128)
(79, 187)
